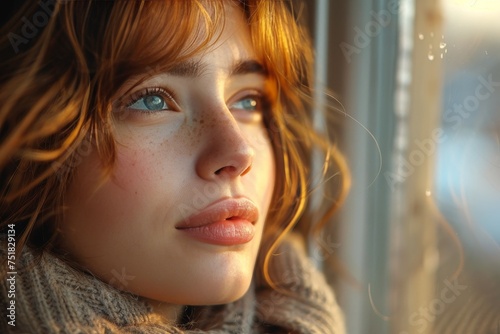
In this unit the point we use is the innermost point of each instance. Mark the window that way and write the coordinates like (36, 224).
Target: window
(420, 232)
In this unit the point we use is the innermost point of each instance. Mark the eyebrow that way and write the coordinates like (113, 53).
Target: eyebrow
(192, 68)
(248, 66)
(187, 68)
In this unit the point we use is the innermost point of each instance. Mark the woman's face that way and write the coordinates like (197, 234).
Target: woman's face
(180, 219)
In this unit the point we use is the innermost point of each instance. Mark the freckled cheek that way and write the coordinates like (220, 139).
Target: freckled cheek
(137, 170)
(149, 168)
(142, 155)
(263, 167)
(259, 140)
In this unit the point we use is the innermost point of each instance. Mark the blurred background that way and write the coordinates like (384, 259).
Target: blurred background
(417, 242)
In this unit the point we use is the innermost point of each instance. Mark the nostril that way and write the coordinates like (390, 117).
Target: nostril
(212, 164)
(227, 169)
(246, 170)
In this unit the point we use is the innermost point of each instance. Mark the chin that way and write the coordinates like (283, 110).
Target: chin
(225, 293)
(211, 290)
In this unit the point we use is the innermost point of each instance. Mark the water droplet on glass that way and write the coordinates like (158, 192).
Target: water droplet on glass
(430, 55)
(428, 193)
(486, 52)
(421, 37)
(432, 34)
(442, 56)
(442, 45)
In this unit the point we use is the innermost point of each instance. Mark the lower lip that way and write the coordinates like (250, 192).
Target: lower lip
(223, 233)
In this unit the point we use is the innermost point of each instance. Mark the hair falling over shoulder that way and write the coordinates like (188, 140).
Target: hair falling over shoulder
(62, 62)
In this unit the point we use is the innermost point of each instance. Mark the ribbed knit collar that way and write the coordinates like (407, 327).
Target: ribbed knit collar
(52, 294)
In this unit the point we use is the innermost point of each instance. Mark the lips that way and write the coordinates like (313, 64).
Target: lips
(227, 222)
(226, 209)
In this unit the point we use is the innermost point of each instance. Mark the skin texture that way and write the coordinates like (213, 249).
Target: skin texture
(170, 164)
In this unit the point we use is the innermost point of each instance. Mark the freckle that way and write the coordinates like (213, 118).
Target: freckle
(136, 192)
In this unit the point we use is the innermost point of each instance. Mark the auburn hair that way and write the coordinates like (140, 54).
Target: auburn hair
(56, 98)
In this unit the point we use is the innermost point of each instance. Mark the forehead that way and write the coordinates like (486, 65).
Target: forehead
(213, 25)
(232, 33)
(228, 44)
(222, 43)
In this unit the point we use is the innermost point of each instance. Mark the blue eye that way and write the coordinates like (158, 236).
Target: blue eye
(150, 100)
(250, 103)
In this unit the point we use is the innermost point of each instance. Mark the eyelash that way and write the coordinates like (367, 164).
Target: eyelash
(134, 98)
(261, 98)
(258, 97)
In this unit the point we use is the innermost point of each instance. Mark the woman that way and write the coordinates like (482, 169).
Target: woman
(153, 172)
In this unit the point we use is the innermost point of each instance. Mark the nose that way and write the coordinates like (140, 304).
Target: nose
(226, 153)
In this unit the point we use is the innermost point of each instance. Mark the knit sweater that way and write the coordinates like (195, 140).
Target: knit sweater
(52, 297)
